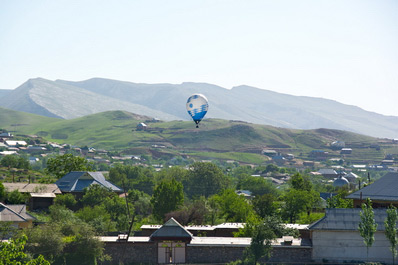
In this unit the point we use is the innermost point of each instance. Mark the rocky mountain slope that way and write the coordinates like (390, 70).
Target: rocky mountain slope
(68, 100)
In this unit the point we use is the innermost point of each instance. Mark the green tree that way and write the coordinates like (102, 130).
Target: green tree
(15, 161)
(367, 226)
(66, 200)
(2, 192)
(338, 200)
(391, 230)
(168, 196)
(296, 202)
(47, 239)
(257, 185)
(96, 194)
(265, 205)
(233, 207)
(299, 182)
(15, 197)
(66, 239)
(98, 218)
(205, 179)
(133, 177)
(263, 235)
(61, 165)
(12, 252)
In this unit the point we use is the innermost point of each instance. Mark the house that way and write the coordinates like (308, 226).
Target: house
(171, 243)
(76, 181)
(319, 154)
(41, 196)
(245, 193)
(269, 152)
(10, 143)
(142, 127)
(16, 214)
(336, 238)
(352, 177)
(383, 192)
(328, 173)
(345, 151)
(337, 145)
(279, 159)
(6, 135)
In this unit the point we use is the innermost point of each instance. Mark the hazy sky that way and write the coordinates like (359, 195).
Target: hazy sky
(344, 50)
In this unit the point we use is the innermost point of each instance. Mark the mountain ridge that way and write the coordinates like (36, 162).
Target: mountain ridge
(72, 99)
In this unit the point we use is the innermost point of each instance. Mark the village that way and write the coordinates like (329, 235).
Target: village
(322, 229)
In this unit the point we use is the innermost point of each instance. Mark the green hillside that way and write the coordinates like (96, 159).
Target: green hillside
(219, 139)
(22, 122)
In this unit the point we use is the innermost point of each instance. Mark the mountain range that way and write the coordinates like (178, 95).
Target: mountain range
(68, 100)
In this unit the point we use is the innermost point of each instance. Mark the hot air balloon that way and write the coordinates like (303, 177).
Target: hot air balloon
(197, 106)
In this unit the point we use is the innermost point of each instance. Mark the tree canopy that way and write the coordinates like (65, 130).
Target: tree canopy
(168, 196)
(61, 165)
(205, 179)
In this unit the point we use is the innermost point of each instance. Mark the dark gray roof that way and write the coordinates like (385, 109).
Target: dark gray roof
(383, 189)
(77, 181)
(346, 219)
(14, 213)
(171, 229)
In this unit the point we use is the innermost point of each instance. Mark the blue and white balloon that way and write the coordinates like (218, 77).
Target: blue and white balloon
(197, 106)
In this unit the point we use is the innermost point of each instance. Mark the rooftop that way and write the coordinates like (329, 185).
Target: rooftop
(383, 189)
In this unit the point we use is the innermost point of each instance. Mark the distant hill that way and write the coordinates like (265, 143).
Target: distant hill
(4, 92)
(69, 100)
(215, 139)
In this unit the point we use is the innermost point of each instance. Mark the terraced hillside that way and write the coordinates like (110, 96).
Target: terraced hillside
(222, 139)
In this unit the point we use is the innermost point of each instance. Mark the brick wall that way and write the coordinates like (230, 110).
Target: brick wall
(290, 254)
(146, 253)
(130, 253)
(213, 254)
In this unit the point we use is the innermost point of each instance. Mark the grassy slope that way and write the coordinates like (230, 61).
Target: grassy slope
(229, 140)
(22, 122)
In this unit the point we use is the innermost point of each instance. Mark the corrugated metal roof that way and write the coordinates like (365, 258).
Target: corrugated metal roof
(14, 213)
(383, 189)
(32, 187)
(346, 219)
(77, 181)
(42, 195)
(171, 229)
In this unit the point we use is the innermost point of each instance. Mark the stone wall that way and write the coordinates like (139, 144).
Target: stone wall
(131, 253)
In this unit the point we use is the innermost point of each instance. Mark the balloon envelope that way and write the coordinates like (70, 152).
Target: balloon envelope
(197, 106)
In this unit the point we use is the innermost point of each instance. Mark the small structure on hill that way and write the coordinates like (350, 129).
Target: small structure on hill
(142, 127)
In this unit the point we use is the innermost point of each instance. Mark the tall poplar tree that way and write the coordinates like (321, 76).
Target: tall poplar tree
(367, 226)
(390, 224)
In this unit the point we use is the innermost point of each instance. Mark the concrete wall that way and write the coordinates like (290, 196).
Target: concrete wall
(340, 246)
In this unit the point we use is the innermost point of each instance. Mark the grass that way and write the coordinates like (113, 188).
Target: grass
(215, 138)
